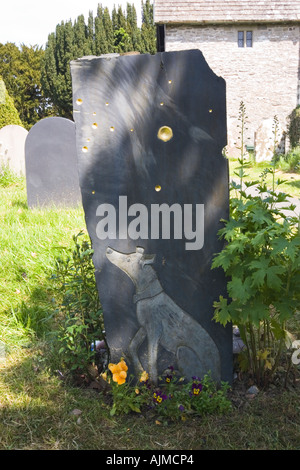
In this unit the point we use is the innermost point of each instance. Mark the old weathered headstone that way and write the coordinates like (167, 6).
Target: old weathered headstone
(12, 148)
(150, 132)
(51, 164)
(265, 141)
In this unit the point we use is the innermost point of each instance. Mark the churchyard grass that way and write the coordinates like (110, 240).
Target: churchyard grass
(38, 410)
(290, 186)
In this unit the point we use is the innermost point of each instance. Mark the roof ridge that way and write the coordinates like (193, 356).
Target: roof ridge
(182, 11)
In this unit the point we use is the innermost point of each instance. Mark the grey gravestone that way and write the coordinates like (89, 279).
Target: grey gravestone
(150, 132)
(264, 141)
(12, 148)
(51, 164)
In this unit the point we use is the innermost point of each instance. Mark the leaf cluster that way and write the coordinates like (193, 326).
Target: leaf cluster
(196, 397)
(261, 257)
(128, 397)
(261, 260)
(173, 399)
(79, 315)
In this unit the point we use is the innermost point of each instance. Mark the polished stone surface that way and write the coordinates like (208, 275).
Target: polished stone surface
(51, 164)
(150, 131)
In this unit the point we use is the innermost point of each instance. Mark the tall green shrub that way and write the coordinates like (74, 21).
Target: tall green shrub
(2, 92)
(8, 113)
(79, 315)
(261, 260)
(294, 127)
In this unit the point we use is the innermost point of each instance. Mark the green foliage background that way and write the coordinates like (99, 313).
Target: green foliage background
(103, 34)
(20, 69)
(39, 81)
(8, 113)
(294, 127)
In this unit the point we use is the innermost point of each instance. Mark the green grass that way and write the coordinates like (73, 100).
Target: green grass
(36, 413)
(30, 242)
(291, 185)
(36, 405)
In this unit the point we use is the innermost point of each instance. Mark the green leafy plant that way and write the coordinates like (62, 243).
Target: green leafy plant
(292, 160)
(127, 396)
(177, 399)
(261, 259)
(79, 315)
(173, 399)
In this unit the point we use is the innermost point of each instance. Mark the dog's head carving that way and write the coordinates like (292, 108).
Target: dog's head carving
(131, 263)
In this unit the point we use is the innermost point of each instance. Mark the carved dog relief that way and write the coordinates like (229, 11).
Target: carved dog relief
(162, 322)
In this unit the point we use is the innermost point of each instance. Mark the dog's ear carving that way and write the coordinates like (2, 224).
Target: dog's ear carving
(139, 249)
(148, 259)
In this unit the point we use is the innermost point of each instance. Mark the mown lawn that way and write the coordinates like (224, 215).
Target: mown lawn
(291, 180)
(38, 408)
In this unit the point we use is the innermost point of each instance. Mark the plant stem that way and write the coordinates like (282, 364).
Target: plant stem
(254, 352)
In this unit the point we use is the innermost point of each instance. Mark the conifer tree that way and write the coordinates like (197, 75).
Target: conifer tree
(122, 40)
(56, 78)
(105, 34)
(121, 20)
(114, 19)
(101, 45)
(20, 69)
(132, 27)
(148, 28)
(108, 28)
(91, 34)
(80, 37)
(8, 113)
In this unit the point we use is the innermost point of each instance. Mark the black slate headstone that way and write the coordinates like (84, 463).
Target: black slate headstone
(51, 164)
(150, 132)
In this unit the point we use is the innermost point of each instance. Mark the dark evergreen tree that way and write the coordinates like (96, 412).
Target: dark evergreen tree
(101, 46)
(148, 29)
(91, 34)
(102, 35)
(68, 43)
(122, 39)
(121, 19)
(21, 72)
(114, 19)
(80, 37)
(108, 28)
(132, 28)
